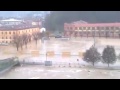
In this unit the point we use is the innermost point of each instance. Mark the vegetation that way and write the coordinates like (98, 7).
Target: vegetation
(92, 56)
(118, 57)
(109, 55)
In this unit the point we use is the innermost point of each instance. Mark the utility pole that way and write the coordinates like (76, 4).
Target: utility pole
(46, 56)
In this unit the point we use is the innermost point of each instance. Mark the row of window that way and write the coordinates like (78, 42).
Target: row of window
(14, 32)
(7, 38)
(94, 32)
(6, 41)
(94, 28)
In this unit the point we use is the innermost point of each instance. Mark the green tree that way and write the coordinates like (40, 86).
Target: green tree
(109, 55)
(92, 56)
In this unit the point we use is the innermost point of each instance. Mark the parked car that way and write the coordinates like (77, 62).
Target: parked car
(58, 36)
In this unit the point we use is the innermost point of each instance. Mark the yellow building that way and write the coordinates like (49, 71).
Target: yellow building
(7, 32)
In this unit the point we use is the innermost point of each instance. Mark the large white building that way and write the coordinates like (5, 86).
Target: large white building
(11, 21)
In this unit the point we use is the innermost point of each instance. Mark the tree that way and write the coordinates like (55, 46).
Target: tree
(25, 39)
(17, 41)
(118, 57)
(92, 56)
(109, 55)
(21, 42)
(36, 36)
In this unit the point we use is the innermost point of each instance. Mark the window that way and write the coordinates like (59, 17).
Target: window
(117, 28)
(84, 28)
(13, 32)
(98, 28)
(2, 38)
(9, 32)
(10, 37)
(6, 37)
(10, 41)
(88, 28)
(2, 32)
(107, 28)
(70, 28)
(80, 28)
(6, 42)
(93, 28)
(5, 32)
(75, 28)
(112, 28)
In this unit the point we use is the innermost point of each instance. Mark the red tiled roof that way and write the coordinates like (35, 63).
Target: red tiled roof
(94, 24)
(17, 27)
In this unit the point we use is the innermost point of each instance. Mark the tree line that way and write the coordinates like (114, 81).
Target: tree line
(56, 19)
(108, 56)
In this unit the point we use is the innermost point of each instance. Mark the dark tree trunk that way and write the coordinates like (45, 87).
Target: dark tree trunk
(93, 63)
(108, 65)
(21, 47)
(36, 42)
(17, 48)
(26, 46)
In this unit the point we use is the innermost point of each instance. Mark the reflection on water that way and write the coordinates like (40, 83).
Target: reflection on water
(39, 72)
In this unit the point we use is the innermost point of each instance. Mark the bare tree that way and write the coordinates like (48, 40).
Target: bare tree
(36, 36)
(25, 39)
(21, 42)
(29, 38)
(16, 41)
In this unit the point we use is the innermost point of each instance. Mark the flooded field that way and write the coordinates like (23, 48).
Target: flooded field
(73, 45)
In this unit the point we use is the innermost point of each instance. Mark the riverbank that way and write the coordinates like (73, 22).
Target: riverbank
(7, 64)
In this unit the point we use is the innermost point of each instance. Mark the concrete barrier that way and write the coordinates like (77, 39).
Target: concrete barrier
(66, 54)
(35, 53)
(81, 54)
(50, 54)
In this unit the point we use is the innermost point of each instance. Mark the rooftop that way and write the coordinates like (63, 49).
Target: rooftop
(11, 20)
(17, 27)
(83, 23)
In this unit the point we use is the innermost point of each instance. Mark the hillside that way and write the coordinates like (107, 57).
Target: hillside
(56, 19)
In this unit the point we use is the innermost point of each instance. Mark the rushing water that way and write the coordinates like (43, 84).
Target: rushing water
(39, 72)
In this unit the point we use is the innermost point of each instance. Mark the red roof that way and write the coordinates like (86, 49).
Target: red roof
(94, 24)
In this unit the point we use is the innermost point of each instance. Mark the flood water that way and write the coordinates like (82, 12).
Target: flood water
(58, 46)
(39, 72)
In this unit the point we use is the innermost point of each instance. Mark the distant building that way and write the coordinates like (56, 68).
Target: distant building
(85, 29)
(7, 32)
(11, 21)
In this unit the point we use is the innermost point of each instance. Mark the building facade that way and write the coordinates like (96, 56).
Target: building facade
(84, 29)
(7, 32)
